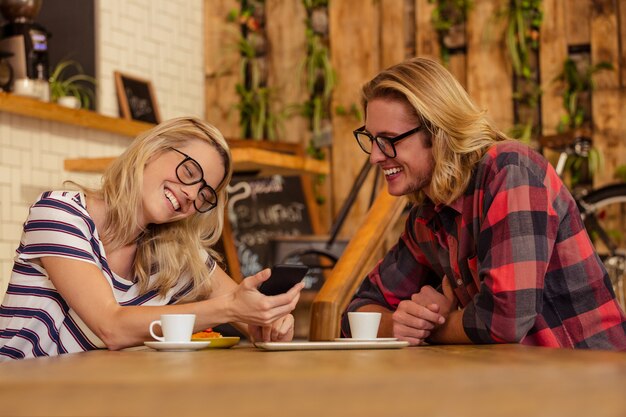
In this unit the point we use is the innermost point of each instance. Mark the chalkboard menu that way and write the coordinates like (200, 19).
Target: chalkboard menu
(136, 98)
(261, 208)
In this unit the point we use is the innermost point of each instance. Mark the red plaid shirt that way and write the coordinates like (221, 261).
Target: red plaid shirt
(517, 254)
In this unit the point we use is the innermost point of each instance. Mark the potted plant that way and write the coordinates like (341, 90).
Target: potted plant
(70, 86)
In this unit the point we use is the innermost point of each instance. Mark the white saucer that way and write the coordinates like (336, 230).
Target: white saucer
(177, 346)
(377, 339)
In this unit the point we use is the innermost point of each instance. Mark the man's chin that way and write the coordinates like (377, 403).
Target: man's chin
(396, 192)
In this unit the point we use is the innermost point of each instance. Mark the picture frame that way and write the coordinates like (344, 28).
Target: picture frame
(136, 98)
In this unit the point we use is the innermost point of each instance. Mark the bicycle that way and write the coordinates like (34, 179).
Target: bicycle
(603, 210)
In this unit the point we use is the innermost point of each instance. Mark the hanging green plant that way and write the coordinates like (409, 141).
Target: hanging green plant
(320, 80)
(447, 15)
(523, 21)
(577, 87)
(319, 76)
(257, 119)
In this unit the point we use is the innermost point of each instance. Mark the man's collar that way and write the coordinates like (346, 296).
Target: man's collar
(456, 205)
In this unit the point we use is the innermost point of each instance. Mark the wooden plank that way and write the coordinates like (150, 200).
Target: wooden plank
(605, 43)
(621, 6)
(553, 53)
(221, 62)
(621, 148)
(458, 68)
(607, 108)
(245, 159)
(577, 29)
(426, 41)
(286, 35)
(230, 251)
(283, 147)
(355, 57)
(392, 42)
(489, 73)
(25, 106)
(351, 268)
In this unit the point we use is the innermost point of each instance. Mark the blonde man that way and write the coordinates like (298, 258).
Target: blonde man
(494, 249)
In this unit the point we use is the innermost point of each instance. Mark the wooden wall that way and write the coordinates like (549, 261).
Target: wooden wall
(369, 35)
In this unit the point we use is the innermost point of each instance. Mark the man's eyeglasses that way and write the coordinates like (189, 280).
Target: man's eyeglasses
(189, 172)
(385, 144)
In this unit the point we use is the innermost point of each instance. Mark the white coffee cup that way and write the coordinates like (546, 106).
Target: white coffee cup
(175, 327)
(363, 324)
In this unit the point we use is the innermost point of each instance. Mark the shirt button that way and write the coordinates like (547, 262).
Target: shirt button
(459, 282)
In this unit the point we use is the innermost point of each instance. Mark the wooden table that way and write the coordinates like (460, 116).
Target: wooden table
(506, 380)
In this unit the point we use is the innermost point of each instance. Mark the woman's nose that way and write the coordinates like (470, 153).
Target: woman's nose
(191, 191)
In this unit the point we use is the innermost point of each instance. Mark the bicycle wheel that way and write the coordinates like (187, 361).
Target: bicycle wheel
(604, 213)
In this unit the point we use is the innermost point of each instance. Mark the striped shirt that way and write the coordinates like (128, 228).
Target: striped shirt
(35, 320)
(517, 255)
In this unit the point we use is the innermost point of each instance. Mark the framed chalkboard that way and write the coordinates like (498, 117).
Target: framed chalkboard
(260, 209)
(136, 98)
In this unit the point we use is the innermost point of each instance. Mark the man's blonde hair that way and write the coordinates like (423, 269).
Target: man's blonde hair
(458, 132)
(172, 249)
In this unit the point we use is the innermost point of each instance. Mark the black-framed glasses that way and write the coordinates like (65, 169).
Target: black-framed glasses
(386, 145)
(189, 172)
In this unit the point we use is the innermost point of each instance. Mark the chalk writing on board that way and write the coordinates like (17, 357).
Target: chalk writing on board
(136, 98)
(139, 107)
(260, 209)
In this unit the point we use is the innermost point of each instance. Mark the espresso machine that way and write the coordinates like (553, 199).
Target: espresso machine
(28, 42)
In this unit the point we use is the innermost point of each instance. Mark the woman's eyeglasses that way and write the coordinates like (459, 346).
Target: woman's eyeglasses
(189, 172)
(386, 145)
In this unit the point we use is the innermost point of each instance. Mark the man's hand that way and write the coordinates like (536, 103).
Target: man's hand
(414, 320)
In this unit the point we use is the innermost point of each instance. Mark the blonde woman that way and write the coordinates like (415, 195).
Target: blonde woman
(494, 249)
(95, 267)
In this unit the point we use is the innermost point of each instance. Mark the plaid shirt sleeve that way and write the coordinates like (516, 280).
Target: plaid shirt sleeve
(405, 271)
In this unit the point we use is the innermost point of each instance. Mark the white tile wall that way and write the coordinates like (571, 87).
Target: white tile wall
(157, 40)
(161, 41)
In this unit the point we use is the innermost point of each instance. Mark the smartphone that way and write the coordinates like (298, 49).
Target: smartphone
(283, 277)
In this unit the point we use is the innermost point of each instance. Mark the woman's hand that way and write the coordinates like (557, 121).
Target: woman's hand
(250, 306)
(279, 331)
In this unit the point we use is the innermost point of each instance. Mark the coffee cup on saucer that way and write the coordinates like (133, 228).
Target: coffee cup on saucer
(364, 324)
(175, 327)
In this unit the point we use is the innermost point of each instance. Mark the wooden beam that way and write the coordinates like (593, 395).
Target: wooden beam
(355, 56)
(286, 34)
(553, 52)
(607, 107)
(577, 27)
(222, 61)
(426, 39)
(392, 33)
(351, 268)
(489, 74)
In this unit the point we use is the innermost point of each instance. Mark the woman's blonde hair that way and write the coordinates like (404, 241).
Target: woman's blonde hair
(168, 250)
(459, 133)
